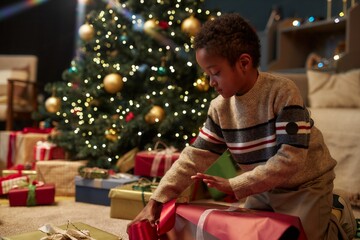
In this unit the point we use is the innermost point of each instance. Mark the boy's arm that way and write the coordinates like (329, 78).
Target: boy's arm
(178, 177)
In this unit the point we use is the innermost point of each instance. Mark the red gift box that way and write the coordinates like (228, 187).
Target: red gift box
(45, 150)
(44, 195)
(219, 222)
(154, 163)
(8, 182)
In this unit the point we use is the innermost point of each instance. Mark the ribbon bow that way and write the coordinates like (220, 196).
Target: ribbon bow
(167, 152)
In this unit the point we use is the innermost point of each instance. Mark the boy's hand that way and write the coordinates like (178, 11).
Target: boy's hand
(219, 183)
(151, 213)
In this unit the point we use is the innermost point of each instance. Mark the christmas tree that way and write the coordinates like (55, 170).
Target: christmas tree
(133, 82)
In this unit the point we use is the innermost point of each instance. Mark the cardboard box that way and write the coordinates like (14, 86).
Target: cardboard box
(94, 232)
(44, 195)
(61, 173)
(96, 191)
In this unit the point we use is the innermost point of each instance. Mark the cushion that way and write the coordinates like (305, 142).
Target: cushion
(341, 133)
(334, 89)
(20, 74)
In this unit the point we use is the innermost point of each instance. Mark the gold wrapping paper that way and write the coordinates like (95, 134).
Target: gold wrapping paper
(30, 173)
(126, 203)
(60, 172)
(95, 233)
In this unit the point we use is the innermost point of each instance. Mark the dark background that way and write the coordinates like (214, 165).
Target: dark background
(49, 28)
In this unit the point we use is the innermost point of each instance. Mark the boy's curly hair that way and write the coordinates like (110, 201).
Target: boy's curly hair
(229, 36)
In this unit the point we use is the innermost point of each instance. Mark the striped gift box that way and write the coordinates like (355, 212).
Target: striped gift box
(8, 182)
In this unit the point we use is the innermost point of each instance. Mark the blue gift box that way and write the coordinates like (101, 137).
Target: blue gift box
(96, 191)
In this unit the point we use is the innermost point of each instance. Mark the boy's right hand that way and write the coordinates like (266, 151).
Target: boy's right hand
(151, 213)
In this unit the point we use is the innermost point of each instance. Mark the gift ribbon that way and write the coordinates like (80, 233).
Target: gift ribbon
(204, 215)
(43, 145)
(143, 185)
(31, 198)
(167, 153)
(143, 229)
(11, 149)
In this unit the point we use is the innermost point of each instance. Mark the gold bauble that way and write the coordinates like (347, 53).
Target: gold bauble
(156, 114)
(191, 26)
(53, 104)
(86, 32)
(202, 84)
(150, 25)
(111, 134)
(113, 83)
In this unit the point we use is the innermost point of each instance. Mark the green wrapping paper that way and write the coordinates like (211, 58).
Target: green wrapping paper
(223, 167)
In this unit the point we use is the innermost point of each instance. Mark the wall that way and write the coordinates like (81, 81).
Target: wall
(46, 29)
(258, 11)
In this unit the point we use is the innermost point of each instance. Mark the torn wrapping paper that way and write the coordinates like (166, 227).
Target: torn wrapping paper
(194, 221)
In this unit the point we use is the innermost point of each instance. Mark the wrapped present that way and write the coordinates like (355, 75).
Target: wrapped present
(127, 161)
(45, 150)
(96, 191)
(61, 173)
(17, 146)
(223, 167)
(126, 203)
(31, 174)
(42, 233)
(128, 200)
(8, 182)
(155, 163)
(194, 221)
(31, 195)
(93, 172)
(23, 169)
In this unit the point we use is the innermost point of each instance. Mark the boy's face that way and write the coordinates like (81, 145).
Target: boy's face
(226, 79)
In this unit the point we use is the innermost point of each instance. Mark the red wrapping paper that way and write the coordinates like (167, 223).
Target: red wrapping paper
(36, 130)
(45, 150)
(144, 163)
(225, 225)
(44, 195)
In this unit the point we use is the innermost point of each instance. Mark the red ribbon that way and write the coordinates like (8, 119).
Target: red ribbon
(11, 150)
(143, 229)
(36, 130)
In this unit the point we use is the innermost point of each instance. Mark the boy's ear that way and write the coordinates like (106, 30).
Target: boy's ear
(245, 61)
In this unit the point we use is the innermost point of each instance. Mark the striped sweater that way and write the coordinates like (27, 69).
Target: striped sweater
(270, 135)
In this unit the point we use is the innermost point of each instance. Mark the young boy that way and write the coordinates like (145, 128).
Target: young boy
(262, 120)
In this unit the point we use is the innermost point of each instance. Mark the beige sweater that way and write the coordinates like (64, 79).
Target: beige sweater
(270, 135)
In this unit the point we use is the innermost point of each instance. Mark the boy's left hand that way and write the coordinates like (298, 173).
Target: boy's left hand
(221, 184)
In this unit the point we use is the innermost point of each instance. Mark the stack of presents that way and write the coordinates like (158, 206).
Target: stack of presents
(34, 171)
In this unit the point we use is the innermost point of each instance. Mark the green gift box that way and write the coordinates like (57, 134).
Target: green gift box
(223, 167)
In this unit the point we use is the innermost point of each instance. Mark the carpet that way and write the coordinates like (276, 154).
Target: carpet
(18, 220)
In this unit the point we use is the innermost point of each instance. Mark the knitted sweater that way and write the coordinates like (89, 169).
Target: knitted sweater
(270, 135)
